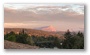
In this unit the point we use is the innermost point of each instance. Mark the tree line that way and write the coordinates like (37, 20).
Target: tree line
(71, 41)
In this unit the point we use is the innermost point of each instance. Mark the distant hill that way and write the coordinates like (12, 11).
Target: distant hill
(34, 32)
(47, 28)
(14, 45)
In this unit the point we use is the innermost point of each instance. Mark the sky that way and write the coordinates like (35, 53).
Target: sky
(60, 16)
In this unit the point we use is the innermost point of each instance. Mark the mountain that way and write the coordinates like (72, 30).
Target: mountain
(47, 28)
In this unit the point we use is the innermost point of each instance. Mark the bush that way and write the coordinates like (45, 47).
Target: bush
(10, 36)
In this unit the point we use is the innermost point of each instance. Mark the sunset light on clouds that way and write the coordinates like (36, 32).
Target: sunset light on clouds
(61, 16)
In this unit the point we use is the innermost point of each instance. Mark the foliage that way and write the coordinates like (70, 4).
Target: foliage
(72, 40)
(10, 36)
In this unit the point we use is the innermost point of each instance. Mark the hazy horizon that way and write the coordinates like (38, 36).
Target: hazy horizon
(60, 16)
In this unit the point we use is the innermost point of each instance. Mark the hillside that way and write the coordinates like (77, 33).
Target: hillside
(33, 32)
(13, 45)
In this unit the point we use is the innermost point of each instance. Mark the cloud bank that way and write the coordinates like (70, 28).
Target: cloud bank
(63, 17)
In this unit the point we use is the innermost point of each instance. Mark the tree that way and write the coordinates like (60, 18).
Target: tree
(79, 41)
(30, 41)
(68, 35)
(57, 42)
(67, 44)
(22, 37)
(73, 41)
(10, 36)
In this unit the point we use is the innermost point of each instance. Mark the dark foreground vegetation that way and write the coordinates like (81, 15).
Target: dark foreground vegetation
(71, 41)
